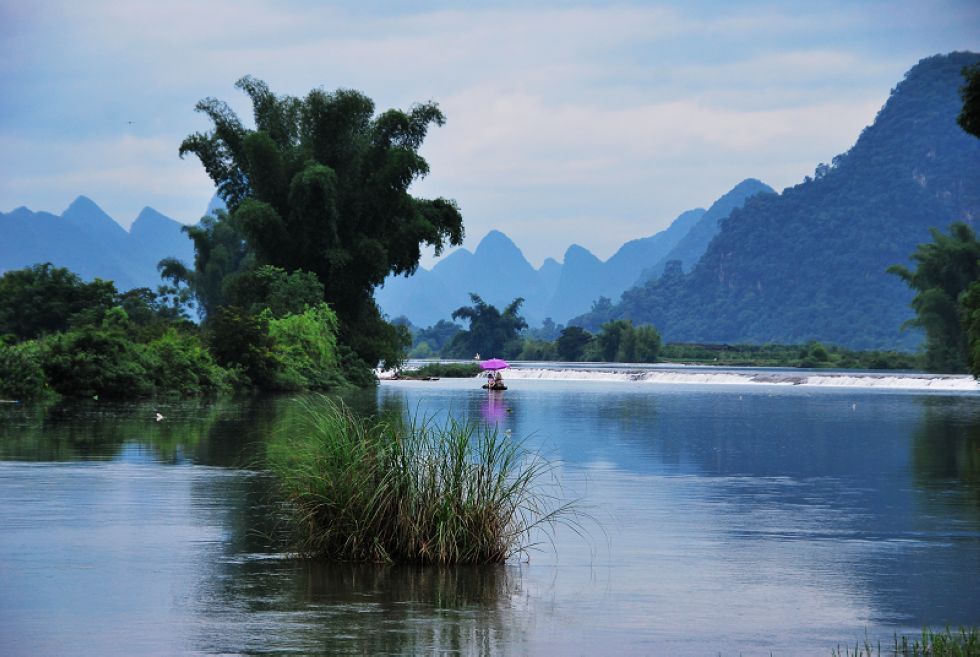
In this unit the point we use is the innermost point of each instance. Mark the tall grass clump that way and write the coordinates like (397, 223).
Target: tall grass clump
(947, 643)
(409, 490)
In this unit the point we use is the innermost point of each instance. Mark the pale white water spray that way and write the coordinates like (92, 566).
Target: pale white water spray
(895, 381)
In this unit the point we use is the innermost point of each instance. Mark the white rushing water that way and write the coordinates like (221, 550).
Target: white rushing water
(909, 381)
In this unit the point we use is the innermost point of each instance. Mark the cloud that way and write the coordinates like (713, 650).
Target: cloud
(120, 175)
(560, 117)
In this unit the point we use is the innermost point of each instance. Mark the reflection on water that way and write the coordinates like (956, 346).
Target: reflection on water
(730, 521)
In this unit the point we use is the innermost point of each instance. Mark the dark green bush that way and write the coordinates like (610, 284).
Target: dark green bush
(178, 363)
(91, 361)
(21, 372)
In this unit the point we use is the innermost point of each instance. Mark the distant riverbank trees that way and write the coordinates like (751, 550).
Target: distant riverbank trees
(622, 341)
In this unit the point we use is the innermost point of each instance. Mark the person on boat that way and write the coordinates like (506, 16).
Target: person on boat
(498, 379)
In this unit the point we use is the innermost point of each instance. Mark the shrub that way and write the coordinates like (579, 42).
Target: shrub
(179, 363)
(21, 373)
(305, 347)
(447, 370)
(391, 490)
(95, 361)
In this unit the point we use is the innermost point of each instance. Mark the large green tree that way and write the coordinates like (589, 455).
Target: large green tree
(492, 332)
(321, 184)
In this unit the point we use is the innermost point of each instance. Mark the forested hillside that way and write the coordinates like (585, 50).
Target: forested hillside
(809, 264)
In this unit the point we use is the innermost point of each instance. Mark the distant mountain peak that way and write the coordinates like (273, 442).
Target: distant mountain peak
(85, 211)
(495, 240)
(83, 203)
(148, 214)
(579, 252)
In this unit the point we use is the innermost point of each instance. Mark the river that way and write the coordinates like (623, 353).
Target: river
(744, 517)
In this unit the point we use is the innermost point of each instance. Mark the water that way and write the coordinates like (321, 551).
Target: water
(725, 519)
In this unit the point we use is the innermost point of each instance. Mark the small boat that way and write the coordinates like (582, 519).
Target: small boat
(495, 386)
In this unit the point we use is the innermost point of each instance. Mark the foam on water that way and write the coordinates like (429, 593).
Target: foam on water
(910, 381)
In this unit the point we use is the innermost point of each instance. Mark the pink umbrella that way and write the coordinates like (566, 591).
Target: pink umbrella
(494, 364)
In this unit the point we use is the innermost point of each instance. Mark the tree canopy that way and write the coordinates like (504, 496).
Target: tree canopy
(321, 184)
(492, 332)
(946, 267)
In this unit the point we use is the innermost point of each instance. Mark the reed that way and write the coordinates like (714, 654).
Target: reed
(963, 643)
(410, 490)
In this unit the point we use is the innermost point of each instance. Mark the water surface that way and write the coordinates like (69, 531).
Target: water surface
(725, 519)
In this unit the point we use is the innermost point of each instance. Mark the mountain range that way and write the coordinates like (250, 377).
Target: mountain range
(92, 244)
(498, 271)
(810, 263)
(756, 266)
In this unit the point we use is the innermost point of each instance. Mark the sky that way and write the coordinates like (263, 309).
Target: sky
(591, 123)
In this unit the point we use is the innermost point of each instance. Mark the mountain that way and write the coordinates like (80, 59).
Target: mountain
(497, 271)
(585, 278)
(809, 264)
(90, 243)
(692, 245)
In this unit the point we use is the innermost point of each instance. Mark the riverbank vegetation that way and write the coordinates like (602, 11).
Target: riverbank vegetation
(409, 491)
(317, 214)
(505, 334)
(946, 643)
(442, 370)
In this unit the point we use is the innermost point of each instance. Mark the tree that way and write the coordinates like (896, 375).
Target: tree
(491, 333)
(43, 299)
(271, 288)
(436, 336)
(620, 341)
(969, 118)
(572, 342)
(946, 267)
(321, 185)
(220, 252)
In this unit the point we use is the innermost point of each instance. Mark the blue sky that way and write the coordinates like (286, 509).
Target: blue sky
(590, 123)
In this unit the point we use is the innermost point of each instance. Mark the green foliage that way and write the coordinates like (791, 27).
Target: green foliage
(946, 267)
(435, 338)
(242, 342)
(492, 333)
(537, 350)
(321, 185)
(572, 343)
(179, 364)
(306, 349)
(946, 643)
(22, 372)
(410, 492)
(219, 252)
(151, 313)
(814, 354)
(969, 117)
(97, 361)
(45, 299)
(445, 370)
(272, 288)
(620, 341)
